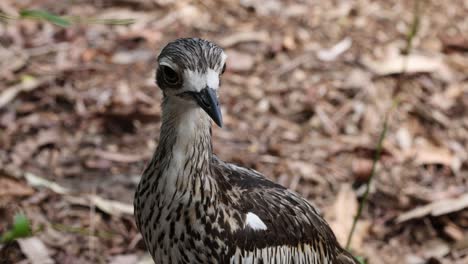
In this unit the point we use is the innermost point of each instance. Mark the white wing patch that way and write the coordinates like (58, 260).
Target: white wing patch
(254, 222)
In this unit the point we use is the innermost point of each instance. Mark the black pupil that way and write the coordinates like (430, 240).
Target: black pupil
(170, 74)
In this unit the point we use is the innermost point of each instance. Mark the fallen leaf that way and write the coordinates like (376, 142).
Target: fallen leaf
(129, 57)
(436, 248)
(110, 207)
(362, 168)
(436, 208)
(239, 62)
(454, 232)
(11, 60)
(37, 181)
(414, 259)
(241, 37)
(428, 154)
(119, 157)
(358, 79)
(27, 84)
(35, 250)
(448, 97)
(306, 171)
(455, 43)
(146, 259)
(264, 7)
(335, 51)
(395, 63)
(341, 217)
(404, 138)
(11, 187)
(462, 244)
(124, 259)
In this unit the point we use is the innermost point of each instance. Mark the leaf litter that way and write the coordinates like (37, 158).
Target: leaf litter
(303, 96)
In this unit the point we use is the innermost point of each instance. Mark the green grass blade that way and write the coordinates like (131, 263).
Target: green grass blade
(112, 21)
(44, 15)
(5, 17)
(21, 228)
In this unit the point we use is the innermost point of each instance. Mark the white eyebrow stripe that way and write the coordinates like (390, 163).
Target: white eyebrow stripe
(212, 79)
(254, 222)
(224, 57)
(168, 63)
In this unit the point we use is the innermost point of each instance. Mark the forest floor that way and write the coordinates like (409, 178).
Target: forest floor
(307, 88)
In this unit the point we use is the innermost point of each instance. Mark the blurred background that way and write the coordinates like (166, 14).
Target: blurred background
(308, 88)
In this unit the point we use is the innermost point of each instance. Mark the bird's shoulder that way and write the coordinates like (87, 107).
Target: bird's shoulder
(241, 177)
(288, 217)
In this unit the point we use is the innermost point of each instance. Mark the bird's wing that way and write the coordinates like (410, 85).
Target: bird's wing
(278, 224)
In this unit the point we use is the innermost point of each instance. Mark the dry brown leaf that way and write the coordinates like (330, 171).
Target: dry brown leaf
(239, 62)
(436, 208)
(436, 248)
(35, 250)
(433, 155)
(306, 171)
(110, 207)
(28, 84)
(146, 259)
(447, 98)
(37, 181)
(454, 231)
(11, 187)
(335, 51)
(240, 37)
(119, 157)
(455, 43)
(11, 59)
(341, 217)
(124, 259)
(430, 154)
(404, 138)
(394, 63)
(133, 56)
(362, 168)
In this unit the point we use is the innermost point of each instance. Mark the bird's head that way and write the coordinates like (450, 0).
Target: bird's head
(190, 69)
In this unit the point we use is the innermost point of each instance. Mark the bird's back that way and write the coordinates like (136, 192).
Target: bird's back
(277, 225)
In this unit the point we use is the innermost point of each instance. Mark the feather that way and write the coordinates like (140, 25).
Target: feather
(192, 207)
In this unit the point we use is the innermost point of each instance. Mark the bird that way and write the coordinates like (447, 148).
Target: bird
(192, 207)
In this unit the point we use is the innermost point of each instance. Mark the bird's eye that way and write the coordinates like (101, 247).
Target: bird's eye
(224, 68)
(170, 76)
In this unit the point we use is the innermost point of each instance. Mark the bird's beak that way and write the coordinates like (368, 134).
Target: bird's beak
(208, 101)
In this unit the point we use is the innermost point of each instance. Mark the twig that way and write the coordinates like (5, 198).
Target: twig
(92, 226)
(377, 155)
(409, 45)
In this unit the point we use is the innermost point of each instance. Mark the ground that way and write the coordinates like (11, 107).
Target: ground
(304, 98)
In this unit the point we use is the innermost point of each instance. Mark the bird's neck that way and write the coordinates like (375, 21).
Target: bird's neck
(184, 152)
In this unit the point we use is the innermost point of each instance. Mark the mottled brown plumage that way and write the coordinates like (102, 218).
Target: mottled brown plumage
(192, 207)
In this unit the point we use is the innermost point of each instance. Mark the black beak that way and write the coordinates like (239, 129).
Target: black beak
(208, 101)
